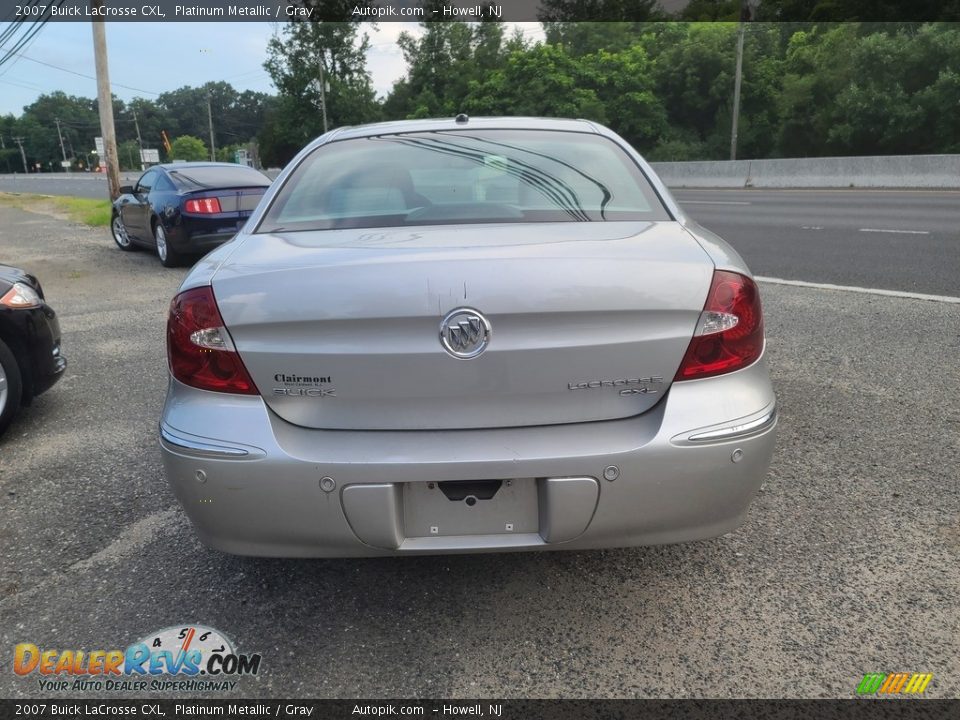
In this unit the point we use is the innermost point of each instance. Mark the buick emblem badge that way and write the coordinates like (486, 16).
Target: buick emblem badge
(465, 333)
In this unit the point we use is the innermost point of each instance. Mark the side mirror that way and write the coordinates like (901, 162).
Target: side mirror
(126, 189)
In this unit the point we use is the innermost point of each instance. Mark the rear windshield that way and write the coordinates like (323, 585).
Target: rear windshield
(216, 177)
(455, 177)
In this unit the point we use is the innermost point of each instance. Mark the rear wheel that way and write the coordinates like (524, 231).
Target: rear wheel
(11, 386)
(120, 235)
(168, 256)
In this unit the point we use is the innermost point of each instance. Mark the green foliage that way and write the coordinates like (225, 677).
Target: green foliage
(295, 60)
(443, 66)
(96, 213)
(889, 92)
(188, 148)
(228, 153)
(542, 81)
(128, 153)
(852, 10)
(237, 117)
(809, 89)
(572, 11)
(583, 38)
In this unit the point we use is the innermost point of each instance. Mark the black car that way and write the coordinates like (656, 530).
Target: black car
(30, 358)
(186, 209)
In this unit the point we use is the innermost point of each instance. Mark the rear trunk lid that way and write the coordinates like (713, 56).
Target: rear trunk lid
(237, 202)
(341, 329)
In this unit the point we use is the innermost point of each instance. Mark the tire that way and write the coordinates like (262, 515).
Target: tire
(11, 386)
(168, 256)
(120, 235)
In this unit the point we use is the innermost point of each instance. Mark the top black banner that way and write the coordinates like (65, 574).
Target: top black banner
(481, 11)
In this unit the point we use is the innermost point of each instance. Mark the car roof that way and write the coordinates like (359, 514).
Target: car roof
(471, 123)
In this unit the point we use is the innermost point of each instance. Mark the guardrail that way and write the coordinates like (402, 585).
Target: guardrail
(891, 171)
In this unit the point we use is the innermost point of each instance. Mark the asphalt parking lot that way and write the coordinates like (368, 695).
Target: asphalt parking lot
(849, 562)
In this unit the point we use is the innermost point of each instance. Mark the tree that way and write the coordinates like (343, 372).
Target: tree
(443, 64)
(584, 38)
(858, 10)
(79, 124)
(152, 118)
(128, 153)
(237, 117)
(294, 61)
(574, 11)
(623, 82)
(850, 91)
(693, 67)
(712, 10)
(187, 147)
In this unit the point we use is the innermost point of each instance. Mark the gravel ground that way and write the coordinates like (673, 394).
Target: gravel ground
(847, 564)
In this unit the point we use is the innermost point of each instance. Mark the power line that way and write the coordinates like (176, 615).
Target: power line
(30, 33)
(25, 86)
(88, 77)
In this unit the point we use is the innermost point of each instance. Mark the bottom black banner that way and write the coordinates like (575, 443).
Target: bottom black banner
(490, 709)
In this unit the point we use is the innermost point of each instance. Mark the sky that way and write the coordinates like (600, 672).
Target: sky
(146, 60)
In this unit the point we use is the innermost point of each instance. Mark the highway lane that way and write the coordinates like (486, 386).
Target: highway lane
(86, 185)
(888, 239)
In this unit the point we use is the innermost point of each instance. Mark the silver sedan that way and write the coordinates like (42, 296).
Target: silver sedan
(466, 335)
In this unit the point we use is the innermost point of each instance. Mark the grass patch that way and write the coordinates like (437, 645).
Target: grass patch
(95, 213)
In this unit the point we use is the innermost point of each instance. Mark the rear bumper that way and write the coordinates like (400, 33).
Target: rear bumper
(204, 242)
(253, 484)
(194, 236)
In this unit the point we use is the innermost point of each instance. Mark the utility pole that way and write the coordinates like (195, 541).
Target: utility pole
(3, 145)
(105, 100)
(60, 135)
(744, 17)
(213, 145)
(23, 155)
(323, 95)
(139, 139)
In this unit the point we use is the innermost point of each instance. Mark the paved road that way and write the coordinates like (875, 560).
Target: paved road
(895, 240)
(88, 185)
(849, 561)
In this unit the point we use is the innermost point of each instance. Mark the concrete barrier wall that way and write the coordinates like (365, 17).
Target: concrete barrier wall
(892, 171)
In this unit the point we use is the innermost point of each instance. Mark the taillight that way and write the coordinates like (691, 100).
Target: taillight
(203, 206)
(21, 297)
(199, 348)
(729, 335)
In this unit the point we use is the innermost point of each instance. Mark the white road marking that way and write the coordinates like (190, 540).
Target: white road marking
(855, 289)
(133, 538)
(715, 202)
(130, 541)
(900, 232)
(811, 227)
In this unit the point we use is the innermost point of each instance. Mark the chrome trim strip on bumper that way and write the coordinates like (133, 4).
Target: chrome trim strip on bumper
(734, 431)
(190, 445)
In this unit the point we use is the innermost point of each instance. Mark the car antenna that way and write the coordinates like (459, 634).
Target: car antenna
(462, 118)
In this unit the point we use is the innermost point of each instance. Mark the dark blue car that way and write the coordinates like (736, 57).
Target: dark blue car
(186, 209)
